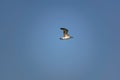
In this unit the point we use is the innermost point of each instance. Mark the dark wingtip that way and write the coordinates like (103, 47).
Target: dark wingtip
(62, 28)
(60, 38)
(71, 37)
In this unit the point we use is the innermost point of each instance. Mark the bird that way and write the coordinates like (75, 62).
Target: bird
(66, 36)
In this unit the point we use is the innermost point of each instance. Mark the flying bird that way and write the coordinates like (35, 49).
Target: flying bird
(66, 36)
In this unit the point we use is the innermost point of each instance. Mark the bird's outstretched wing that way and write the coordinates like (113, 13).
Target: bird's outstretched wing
(65, 31)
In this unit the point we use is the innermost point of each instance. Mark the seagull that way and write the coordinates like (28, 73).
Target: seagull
(66, 36)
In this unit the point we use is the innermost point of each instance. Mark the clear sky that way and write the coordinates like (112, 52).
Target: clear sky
(30, 48)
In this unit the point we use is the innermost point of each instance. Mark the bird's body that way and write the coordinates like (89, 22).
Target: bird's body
(66, 36)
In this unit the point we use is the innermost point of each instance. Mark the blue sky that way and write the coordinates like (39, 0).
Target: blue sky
(31, 49)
